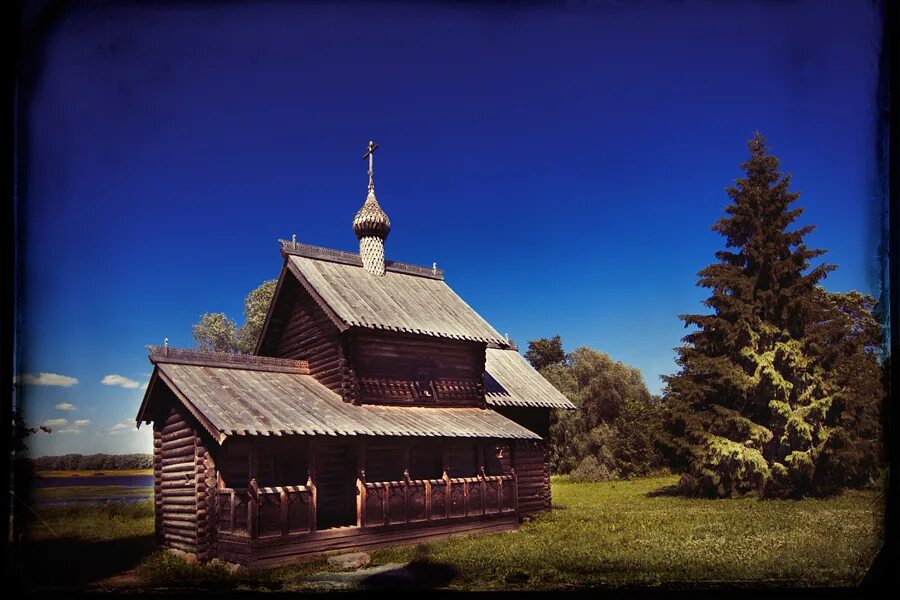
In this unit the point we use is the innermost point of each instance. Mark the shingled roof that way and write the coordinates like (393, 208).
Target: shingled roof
(406, 298)
(274, 397)
(510, 381)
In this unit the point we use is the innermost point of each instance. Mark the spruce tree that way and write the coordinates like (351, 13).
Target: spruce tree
(748, 409)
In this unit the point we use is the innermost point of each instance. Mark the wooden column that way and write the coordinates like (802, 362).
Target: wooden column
(361, 499)
(312, 466)
(284, 506)
(386, 504)
(361, 482)
(515, 487)
(253, 509)
(406, 491)
(483, 491)
(427, 499)
(448, 488)
(483, 474)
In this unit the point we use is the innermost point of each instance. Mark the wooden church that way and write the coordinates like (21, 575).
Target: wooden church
(378, 409)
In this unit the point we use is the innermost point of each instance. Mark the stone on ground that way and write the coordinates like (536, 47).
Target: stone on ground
(353, 560)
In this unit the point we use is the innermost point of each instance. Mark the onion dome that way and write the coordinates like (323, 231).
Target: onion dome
(371, 220)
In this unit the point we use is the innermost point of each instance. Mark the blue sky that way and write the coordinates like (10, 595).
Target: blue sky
(562, 164)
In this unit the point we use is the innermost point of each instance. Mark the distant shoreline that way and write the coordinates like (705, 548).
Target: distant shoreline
(94, 473)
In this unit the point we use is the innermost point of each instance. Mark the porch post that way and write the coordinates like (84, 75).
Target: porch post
(252, 490)
(312, 462)
(361, 482)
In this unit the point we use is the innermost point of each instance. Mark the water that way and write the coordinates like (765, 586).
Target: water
(92, 489)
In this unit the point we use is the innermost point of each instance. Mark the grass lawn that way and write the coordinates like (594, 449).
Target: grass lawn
(606, 534)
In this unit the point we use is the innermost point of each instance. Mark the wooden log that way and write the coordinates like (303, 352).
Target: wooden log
(181, 467)
(179, 427)
(179, 436)
(177, 443)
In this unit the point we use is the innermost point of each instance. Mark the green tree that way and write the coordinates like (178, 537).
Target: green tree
(545, 352)
(215, 332)
(613, 431)
(753, 405)
(846, 340)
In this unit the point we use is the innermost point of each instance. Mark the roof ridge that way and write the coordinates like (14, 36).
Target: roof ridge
(351, 258)
(188, 356)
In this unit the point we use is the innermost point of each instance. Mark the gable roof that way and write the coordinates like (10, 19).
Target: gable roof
(407, 298)
(510, 381)
(231, 398)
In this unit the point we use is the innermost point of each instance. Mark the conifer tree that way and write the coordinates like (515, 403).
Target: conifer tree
(748, 409)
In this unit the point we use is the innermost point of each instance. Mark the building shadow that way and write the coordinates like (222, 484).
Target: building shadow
(75, 562)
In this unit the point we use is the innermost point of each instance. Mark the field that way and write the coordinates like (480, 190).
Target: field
(613, 534)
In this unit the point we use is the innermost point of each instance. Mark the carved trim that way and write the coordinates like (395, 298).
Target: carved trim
(186, 356)
(350, 258)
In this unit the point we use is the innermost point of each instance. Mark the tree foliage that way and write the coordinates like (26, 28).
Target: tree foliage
(93, 462)
(613, 431)
(545, 352)
(763, 381)
(215, 332)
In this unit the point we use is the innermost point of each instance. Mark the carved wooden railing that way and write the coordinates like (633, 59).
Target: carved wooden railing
(267, 511)
(410, 500)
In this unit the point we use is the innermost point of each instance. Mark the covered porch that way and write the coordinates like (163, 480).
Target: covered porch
(279, 498)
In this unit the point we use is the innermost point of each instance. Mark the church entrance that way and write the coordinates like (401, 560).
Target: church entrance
(336, 484)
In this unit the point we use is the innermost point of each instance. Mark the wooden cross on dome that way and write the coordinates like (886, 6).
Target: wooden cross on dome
(370, 153)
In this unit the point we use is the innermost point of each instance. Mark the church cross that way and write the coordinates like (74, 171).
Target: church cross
(370, 153)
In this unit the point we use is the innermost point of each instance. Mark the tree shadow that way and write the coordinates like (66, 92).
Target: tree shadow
(418, 574)
(75, 562)
(666, 491)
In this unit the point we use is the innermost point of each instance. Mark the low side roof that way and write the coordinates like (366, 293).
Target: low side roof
(510, 381)
(396, 301)
(237, 401)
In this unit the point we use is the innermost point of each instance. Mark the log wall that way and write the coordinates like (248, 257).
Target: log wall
(184, 484)
(397, 368)
(532, 470)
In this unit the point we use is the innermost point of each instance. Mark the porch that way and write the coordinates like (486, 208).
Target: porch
(266, 524)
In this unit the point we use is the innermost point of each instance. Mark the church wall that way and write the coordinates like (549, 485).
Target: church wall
(301, 330)
(394, 368)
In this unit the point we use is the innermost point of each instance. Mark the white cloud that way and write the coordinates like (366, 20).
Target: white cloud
(122, 427)
(46, 379)
(82, 423)
(71, 429)
(64, 406)
(55, 423)
(120, 381)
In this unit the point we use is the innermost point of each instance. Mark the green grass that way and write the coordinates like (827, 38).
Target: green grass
(608, 534)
